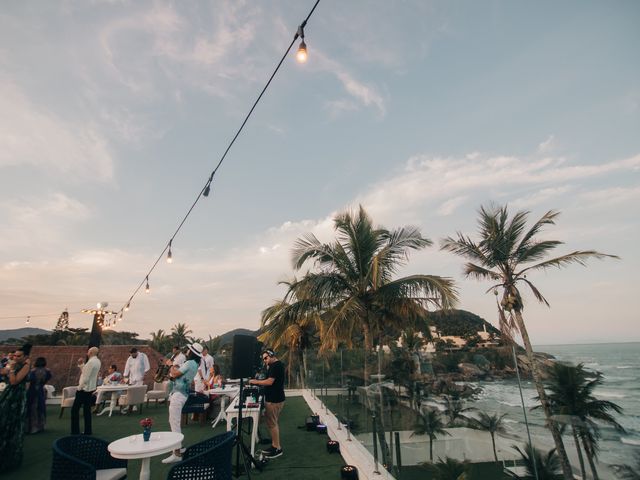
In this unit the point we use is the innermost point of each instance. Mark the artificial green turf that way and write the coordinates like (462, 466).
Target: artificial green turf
(305, 455)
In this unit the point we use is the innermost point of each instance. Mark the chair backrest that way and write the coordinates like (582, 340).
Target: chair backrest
(161, 387)
(79, 456)
(135, 395)
(214, 463)
(69, 392)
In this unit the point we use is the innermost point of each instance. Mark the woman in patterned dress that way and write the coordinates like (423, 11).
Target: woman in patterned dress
(14, 399)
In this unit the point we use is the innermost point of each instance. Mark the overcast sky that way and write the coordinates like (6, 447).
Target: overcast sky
(113, 114)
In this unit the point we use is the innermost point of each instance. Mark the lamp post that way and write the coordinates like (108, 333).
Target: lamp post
(95, 338)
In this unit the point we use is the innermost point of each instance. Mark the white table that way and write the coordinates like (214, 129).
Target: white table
(114, 389)
(224, 393)
(253, 413)
(134, 447)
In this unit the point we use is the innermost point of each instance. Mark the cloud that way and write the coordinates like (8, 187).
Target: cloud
(33, 136)
(547, 145)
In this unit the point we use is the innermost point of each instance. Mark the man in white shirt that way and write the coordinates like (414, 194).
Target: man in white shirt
(177, 356)
(84, 394)
(136, 367)
(204, 370)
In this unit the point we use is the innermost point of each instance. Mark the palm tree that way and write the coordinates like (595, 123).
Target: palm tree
(492, 424)
(159, 341)
(180, 334)
(353, 287)
(291, 325)
(547, 467)
(455, 410)
(571, 398)
(430, 423)
(448, 469)
(506, 252)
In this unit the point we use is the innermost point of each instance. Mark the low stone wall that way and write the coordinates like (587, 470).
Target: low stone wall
(62, 361)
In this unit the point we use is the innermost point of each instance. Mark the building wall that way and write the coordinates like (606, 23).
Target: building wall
(62, 361)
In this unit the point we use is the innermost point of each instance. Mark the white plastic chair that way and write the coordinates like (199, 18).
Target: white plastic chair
(160, 392)
(68, 396)
(134, 396)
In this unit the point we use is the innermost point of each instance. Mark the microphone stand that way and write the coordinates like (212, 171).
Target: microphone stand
(241, 448)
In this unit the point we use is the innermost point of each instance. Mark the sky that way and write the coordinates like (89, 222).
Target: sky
(114, 113)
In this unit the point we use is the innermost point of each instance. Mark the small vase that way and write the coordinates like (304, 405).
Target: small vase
(146, 434)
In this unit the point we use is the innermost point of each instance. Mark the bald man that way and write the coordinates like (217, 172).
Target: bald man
(84, 394)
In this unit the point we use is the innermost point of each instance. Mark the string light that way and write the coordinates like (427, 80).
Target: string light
(301, 54)
(28, 320)
(127, 306)
(147, 289)
(169, 255)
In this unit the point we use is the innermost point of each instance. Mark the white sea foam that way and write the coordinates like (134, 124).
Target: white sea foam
(630, 441)
(609, 394)
(625, 367)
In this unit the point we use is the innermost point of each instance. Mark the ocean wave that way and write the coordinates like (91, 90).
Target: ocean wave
(630, 441)
(624, 367)
(609, 394)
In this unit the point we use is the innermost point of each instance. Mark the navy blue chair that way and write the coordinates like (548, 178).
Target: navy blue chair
(207, 460)
(196, 403)
(81, 457)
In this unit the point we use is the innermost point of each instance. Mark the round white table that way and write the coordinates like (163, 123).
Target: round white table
(226, 392)
(134, 447)
(115, 389)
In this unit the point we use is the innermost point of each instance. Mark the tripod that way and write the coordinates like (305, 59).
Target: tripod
(241, 449)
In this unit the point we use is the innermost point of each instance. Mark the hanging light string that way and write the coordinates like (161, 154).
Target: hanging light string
(12, 317)
(207, 187)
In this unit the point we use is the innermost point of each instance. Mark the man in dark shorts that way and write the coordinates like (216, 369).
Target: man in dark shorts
(274, 399)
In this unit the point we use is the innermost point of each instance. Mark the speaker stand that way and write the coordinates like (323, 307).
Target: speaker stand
(241, 449)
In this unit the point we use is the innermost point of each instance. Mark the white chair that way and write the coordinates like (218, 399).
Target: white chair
(68, 396)
(133, 397)
(160, 392)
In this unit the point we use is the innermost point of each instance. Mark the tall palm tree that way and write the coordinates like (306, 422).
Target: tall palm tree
(353, 285)
(455, 410)
(547, 466)
(430, 423)
(180, 333)
(506, 253)
(492, 424)
(571, 398)
(290, 325)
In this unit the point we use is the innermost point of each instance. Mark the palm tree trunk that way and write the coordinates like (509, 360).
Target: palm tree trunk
(588, 450)
(367, 348)
(580, 459)
(557, 438)
(431, 448)
(493, 442)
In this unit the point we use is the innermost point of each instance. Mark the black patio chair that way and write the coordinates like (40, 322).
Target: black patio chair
(197, 403)
(207, 460)
(81, 457)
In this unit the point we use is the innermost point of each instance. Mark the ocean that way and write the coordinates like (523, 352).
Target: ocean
(620, 365)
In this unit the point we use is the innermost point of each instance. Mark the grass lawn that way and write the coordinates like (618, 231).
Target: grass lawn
(305, 454)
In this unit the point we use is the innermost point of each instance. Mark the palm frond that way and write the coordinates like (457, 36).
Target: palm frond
(579, 257)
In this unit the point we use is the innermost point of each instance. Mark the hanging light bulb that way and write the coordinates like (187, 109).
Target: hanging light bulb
(147, 289)
(127, 306)
(301, 54)
(169, 255)
(28, 320)
(207, 189)
(120, 317)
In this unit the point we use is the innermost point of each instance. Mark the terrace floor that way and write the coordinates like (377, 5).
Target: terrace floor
(305, 455)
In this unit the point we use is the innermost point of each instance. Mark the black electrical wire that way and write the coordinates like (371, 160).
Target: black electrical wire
(207, 185)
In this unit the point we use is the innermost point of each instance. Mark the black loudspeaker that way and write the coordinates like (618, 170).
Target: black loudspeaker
(244, 356)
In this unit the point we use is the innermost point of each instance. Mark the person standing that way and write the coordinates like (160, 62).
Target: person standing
(177, 356)
(84, 394)
(273, 399)
(136, 367)
(206, 364)
(180, 384)
(37, 396)
(13, 400)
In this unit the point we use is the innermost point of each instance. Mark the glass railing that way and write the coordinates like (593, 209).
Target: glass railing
(415, 411)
